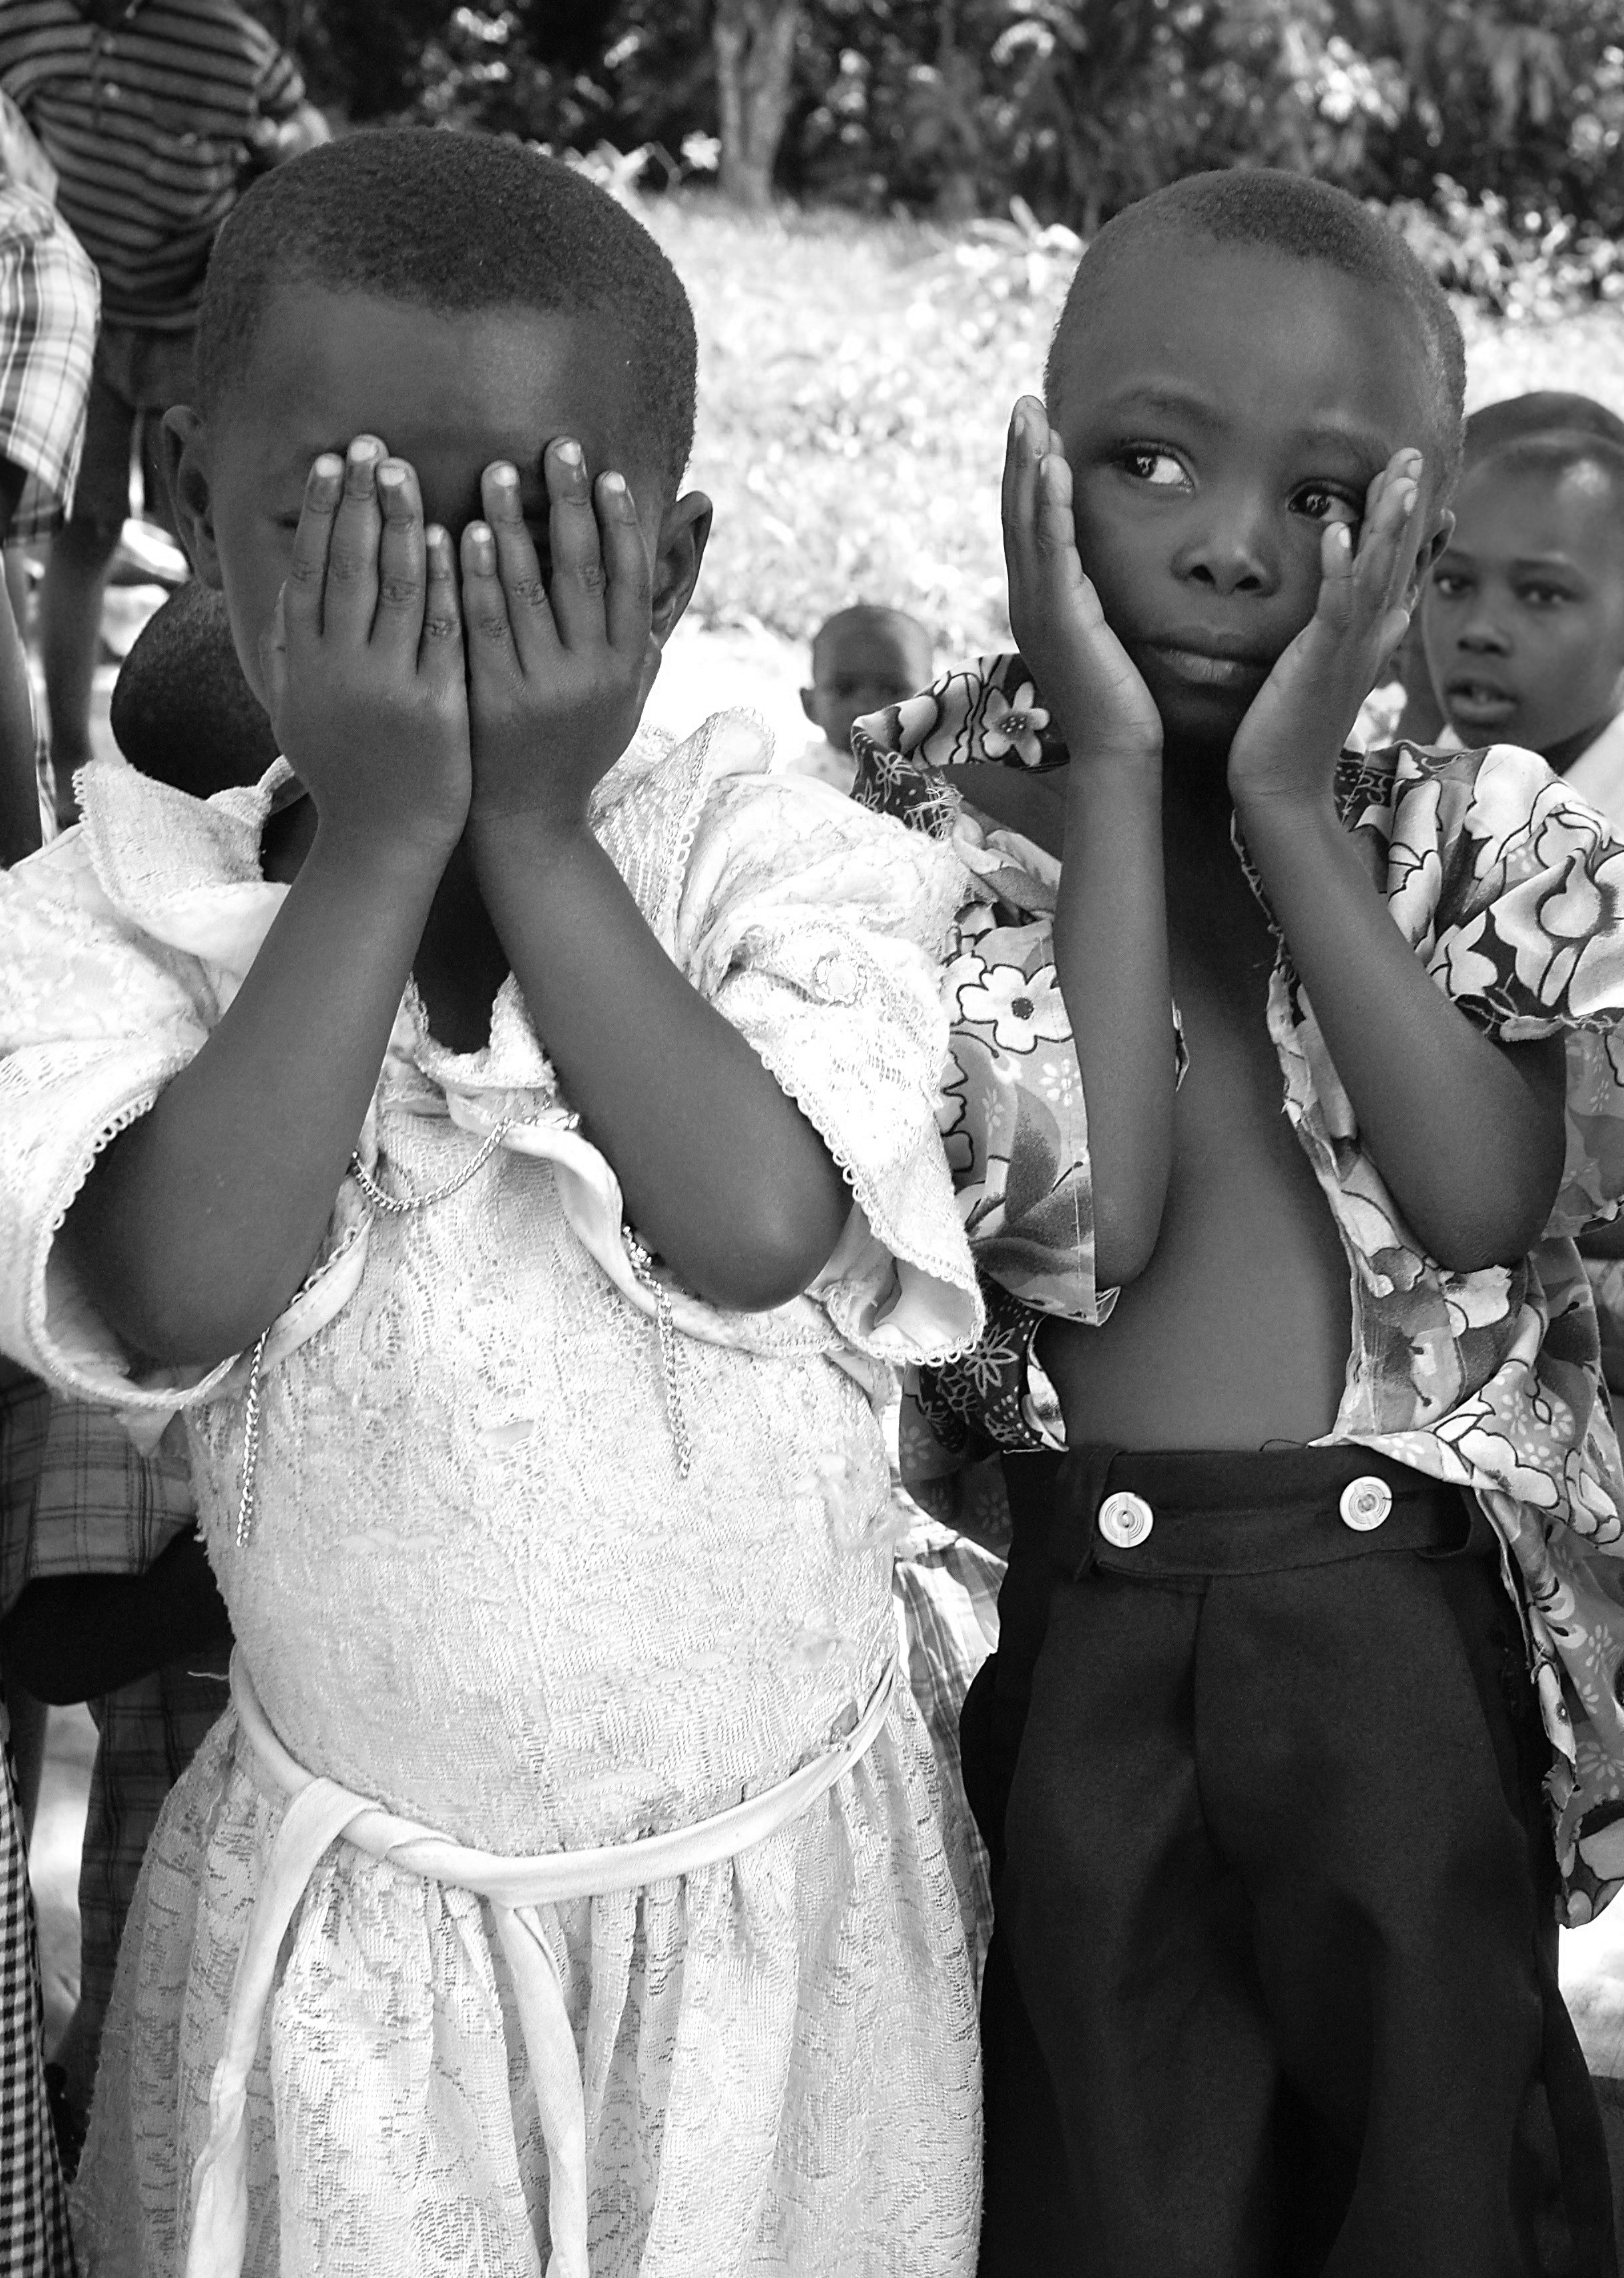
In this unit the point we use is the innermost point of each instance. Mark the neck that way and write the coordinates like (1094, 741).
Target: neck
(1195, 786)
(1560, 755)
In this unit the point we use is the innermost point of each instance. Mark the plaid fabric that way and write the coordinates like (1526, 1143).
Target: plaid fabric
(34, 2241)
(24, 1409)
(97, 1506)
(100, 1507)
(149, 1733)
(947, 1588)
(48, 302)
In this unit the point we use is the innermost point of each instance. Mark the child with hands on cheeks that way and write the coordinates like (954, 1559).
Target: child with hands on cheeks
(1272, 1984)
(507, 1138)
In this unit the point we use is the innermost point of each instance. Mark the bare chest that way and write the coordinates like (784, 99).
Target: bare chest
(1237, 1334)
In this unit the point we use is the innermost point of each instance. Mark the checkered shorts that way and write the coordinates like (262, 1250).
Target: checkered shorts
(34, 2242)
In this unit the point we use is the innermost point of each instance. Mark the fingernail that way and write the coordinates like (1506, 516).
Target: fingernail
(364, 449)
(391, 475)
(570, 453)
(615, 485)
(1343, 538)
(327, 468)
(504, 476)
(482, 546)
(1407, 494)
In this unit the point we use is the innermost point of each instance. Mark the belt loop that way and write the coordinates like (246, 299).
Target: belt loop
(1084, 1475)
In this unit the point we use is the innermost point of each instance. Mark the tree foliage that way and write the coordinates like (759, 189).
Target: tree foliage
(1073, 107)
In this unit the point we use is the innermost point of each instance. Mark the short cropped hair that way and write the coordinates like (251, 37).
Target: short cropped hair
(181, 710)
(455, 222)
(1304, 220)
(1547, 410)
(1553, 452)
(907, 630)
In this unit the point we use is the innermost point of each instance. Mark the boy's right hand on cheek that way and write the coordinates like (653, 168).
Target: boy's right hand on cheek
(1083, 673)
(364, 665)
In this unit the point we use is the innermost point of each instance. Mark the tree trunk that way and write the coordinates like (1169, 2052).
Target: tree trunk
(754, 43)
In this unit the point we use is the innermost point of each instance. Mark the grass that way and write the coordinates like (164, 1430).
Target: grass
(856, 379)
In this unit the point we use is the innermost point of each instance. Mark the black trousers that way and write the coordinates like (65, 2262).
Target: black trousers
(1272, 1990)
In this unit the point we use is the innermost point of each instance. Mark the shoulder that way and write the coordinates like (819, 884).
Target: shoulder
(1504, 799)
(150, 871)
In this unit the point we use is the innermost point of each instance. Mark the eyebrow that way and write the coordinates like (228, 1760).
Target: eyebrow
(1346, 434)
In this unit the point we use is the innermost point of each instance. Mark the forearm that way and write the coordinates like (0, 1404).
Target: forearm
(722, 1174)
(1111, 961)
(202, 1218)
(1467, 1136)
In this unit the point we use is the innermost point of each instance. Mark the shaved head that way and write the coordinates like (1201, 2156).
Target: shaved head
(1298, 219)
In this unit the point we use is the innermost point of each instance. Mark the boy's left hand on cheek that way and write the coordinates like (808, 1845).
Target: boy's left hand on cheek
(557, 669)
(1289, 742)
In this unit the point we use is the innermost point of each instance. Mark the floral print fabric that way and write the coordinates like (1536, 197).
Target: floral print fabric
(1510, 888)
(1011, 1111)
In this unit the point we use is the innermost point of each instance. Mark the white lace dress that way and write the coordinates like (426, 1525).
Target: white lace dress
(478, 1590)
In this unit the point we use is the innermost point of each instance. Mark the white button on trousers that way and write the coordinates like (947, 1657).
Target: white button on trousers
(1126, 1520)
(1365, 1502)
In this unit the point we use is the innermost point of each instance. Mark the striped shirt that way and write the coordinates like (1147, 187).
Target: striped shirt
(151, 121)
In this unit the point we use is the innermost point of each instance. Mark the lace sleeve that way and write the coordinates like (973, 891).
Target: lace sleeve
(1511, 886)
(815, 929)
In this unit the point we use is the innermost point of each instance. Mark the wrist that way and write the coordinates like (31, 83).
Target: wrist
(400, 859)
(534, 839)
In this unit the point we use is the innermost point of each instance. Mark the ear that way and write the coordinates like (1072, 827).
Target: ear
(684, 535)
(809, 705)
(1430, 547)
(186, 468)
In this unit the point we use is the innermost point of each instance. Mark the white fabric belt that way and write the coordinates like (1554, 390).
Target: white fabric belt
(318, 1812)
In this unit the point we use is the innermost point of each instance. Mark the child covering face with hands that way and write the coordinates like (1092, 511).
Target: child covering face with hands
(1272, 1986)
(563, 1891)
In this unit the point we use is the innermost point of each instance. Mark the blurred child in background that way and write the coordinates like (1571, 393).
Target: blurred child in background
(1522, 631)
(1416, 711)
(48, 302)
(863, 659)
(1522, 621)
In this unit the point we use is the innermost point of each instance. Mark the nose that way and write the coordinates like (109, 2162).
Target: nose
(1231, 548)
(1480, 635)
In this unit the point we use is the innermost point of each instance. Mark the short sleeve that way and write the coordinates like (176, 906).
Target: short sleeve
(279, 89)
(1013, 1117)
(1510, 888)
(816, 930)
(100, 1012)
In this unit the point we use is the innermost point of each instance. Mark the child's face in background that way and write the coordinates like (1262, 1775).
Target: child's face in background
(1523, 622)
(862, 668)
(1220, 407)
(450, 391)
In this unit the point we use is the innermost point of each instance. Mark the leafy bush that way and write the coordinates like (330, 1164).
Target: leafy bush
(1528, 266)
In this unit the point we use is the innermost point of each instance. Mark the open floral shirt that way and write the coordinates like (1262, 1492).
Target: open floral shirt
(1511, 889)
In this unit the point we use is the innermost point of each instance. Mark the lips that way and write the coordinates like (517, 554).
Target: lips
(1211, 662)
(1477, 701)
